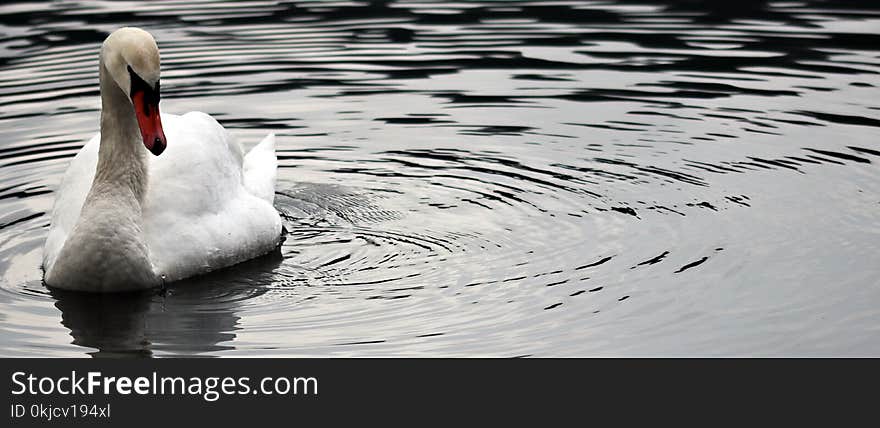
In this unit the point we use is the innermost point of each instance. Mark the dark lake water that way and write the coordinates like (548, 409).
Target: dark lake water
(539, 178)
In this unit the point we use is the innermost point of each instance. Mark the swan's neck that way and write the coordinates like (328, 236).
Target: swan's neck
(122, 159)
(106, 247)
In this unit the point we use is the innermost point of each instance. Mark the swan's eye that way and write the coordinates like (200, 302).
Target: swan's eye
(145, 101)
(148, 95)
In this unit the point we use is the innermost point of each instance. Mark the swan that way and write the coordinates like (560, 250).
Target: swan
(126, 220)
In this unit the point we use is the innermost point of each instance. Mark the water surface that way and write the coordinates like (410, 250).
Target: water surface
(539, 178)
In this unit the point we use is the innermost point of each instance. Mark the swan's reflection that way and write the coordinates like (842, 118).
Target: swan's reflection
(191, 317)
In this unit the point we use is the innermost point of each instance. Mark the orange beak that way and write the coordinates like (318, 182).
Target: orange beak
(146, 108)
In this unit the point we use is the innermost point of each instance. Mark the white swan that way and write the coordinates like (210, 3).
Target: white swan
(125, 220)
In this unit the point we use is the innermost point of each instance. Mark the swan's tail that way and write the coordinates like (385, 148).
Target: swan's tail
(260, 168)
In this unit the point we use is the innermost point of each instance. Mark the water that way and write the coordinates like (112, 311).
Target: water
(543, 178)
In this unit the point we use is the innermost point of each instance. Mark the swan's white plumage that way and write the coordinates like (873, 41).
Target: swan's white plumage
(260, 166)
(207, 205)
(124, 219)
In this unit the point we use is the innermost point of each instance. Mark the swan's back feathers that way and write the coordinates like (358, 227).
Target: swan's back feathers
(200, 214)
(260, 169)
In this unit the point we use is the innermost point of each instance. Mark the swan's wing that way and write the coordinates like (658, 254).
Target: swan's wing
(199, 170)
(199, 214)
(69, 199)
(260, 169)
(196, 176)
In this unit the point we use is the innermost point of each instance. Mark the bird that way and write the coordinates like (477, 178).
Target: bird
(153, 197)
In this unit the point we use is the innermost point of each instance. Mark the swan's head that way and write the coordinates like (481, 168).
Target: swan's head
(131, 57)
